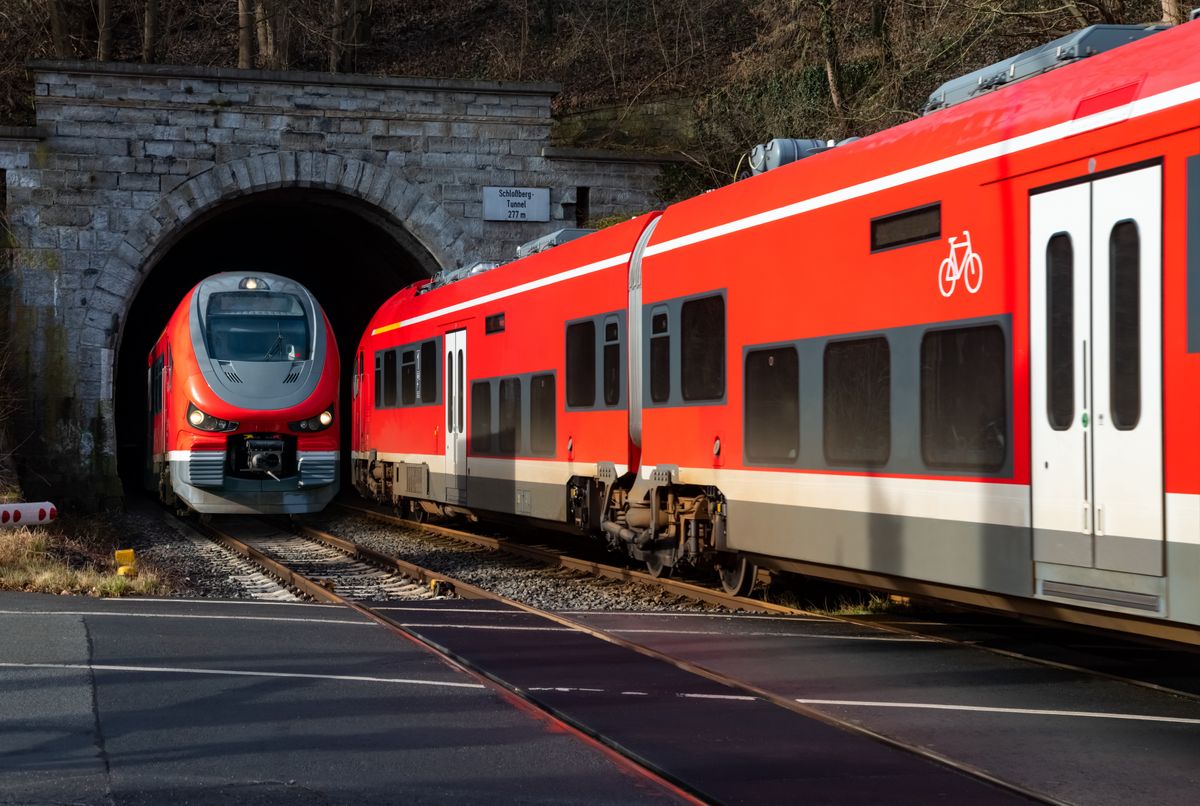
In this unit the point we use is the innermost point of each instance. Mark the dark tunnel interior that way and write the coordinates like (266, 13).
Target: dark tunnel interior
(349, 256)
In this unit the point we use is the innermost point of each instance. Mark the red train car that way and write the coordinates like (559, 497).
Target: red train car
(958, 357)
(241, 391)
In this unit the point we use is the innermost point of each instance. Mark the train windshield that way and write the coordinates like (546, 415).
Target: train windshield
(257, 326)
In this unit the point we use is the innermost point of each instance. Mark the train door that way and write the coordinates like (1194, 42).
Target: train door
(456, 436)
(360, 406)
(1096, 373)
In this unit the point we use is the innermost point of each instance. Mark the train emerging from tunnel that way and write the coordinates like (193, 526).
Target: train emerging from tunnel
(959, 357)
(242, 387)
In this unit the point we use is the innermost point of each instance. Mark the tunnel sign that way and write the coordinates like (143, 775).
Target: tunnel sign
(516, 204)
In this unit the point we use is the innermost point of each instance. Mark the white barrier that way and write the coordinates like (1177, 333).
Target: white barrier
(27, 514)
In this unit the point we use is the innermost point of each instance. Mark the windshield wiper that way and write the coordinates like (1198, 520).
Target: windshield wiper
(275, 346)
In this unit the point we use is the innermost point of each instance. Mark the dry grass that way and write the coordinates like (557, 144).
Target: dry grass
(71, 557)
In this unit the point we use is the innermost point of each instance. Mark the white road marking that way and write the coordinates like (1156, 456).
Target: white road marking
(635, 693)
(992, 710)
(139, 600)
(487, 627)
(738, 697)
(241, 673)
(202, 617)
(774, 635)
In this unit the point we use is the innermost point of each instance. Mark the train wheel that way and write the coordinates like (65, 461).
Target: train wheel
(737, 576)
(657, 567)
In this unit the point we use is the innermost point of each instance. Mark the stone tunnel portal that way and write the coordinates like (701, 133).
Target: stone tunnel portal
(350, 255)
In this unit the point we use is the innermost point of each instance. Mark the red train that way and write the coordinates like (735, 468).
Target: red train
(241, 391)
(958, 357)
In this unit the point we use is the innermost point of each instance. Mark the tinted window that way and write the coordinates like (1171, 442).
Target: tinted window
(389, 378)
(702, 353)
(494, 323)
(964, 413)
(1060, 331)
(427, 380)
(481, 417)
(660, 358)
(378, 380)
(773, 405)
(901, 229)
(581, 364)
(612, 364)
(461, 392)
(858, 402)
(541, 414)
(408, 377)
(1125, 348)
(510, 416)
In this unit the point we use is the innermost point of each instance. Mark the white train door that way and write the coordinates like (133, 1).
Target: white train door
(456, 436)
(1096, 373)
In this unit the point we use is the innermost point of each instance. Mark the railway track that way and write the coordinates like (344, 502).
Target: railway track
(331, 569)
(557, 559)
(918, 629)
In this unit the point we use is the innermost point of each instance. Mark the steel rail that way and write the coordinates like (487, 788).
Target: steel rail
(555, 559)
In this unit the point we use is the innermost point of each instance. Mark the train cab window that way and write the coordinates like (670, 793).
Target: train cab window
(378, 380)
(256, 326)
(612, 362)
(660, 356)
(541, 415)
(408, 377)
(581, 364)
(702, 348)
(858, 402)
(427, 377)
(389, 379)
(964, 419)
(773, 405)
(156, 386)
(1124, 326)
(1060, 331)
(509, 434)
(481, 417)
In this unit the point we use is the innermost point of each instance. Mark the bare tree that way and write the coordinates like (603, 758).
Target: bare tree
(150, 31)
(1174, 12)
(58, 29)
(104, 31)
(337, 21)
(833, 65)
(245, 34)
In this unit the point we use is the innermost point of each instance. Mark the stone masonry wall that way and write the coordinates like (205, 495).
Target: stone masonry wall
(125, 158)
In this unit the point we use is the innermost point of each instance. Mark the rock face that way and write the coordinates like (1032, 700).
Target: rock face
(125, 159)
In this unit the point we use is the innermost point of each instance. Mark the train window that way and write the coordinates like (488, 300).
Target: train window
(858, 402)
(427, 380)
(408, 377)
(1124, 326)
(541, 414)
(378, 380)
(481, 417)
(905, 228)
(660, 357)
(256, 326)
(494, 323)
(612, 364)
(702, 350)
(389, 378)
(510, 416)
(773, 405)
(581, 364)
(1060, 331)
(964, 413)
(156, 386)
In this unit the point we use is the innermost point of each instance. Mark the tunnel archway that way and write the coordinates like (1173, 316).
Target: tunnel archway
(351, 254)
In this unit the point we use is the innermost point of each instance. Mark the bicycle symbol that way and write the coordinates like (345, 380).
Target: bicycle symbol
(971, 265)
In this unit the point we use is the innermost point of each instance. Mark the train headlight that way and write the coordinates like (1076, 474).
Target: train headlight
(206, 422)
(311, 424)
(254, 284)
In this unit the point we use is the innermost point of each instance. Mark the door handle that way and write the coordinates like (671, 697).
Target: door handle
(1100, 520)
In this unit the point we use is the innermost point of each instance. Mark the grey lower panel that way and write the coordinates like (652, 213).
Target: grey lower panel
(545, 501)
(1131, 554)
(1183, 589)
(1063, 548)
(234, 496)
(971, 555)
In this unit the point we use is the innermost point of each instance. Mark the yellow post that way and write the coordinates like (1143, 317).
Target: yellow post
(126, 563)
